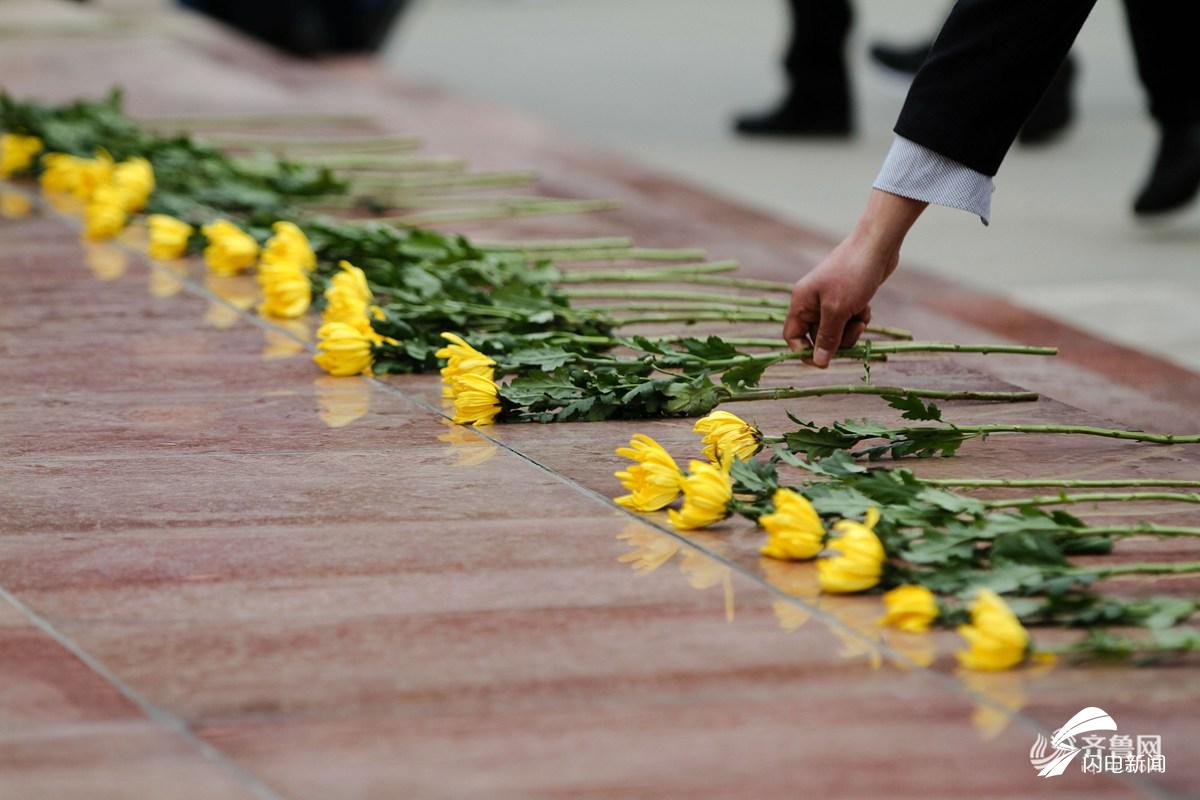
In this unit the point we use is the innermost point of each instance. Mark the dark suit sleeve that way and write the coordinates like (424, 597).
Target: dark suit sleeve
(988, 68)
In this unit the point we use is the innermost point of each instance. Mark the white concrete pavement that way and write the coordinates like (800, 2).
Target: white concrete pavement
(660, 79)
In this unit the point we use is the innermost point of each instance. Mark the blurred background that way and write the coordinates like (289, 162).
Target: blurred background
(661, 80)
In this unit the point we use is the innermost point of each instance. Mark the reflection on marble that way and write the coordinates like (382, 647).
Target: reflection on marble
(64, 203)
(652, 549)
(239, 293)
(166, 279)
(341, 401)
(106, 261)
(467, 448)
(1004, 692)
(286, 338)
(15, 205)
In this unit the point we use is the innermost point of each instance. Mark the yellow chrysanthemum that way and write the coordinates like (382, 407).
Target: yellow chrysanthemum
(287, 292)
(476, 400)
(462, 359)
(995, 637)
(168, 237)
(289, 245)
(653, 480)
(104, 219)
(134, 178)
(81, 177)
(727, 436)
(58, 173)
(858, 564)
(795, 528)
(343, 350)
(230, 250)
(17, 152)
(352, 279)
(343, 304)
(911, 608)
(707, 491)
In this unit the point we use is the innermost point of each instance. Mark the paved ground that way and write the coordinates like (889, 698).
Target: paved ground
(225, 575)
(659, 81)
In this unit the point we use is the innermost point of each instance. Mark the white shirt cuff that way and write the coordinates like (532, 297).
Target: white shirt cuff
(916, 172)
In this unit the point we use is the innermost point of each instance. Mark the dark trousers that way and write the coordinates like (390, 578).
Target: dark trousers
(815, 61)
(1164, 34)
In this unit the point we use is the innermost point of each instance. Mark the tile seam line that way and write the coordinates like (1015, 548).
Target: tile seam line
(150, 710)
(1150, 788)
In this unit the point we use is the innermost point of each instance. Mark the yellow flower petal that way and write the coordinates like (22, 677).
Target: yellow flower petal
(794, 527)
(707, 491)
(995, 637)
(910, 608)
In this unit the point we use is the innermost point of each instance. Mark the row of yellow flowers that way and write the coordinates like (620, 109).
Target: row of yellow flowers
(850, 558)
(850, 561)
(110, 192)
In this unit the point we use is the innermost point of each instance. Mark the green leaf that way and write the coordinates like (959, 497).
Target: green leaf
(914, 407)
(744, 375)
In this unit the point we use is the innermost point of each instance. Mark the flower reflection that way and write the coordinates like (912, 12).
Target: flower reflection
(468, 447)
(64, 203)
(652, 549)
(239, 293)
(285, 338)
(1003, 692)
(795, 578)
(859, 628)
(340, 401)
(919, 649)
(166, 280)
(106, 261)
(858, 631)
(135, 235)
(704, 571)
(14, 205)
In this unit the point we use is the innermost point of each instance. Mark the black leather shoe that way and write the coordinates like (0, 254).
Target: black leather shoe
(1053, 114)
(1174, 180)
(796, 116)
(905, 59)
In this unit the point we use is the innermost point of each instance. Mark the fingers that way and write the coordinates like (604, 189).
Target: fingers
(856, 328)
(802, 316)
(829, 334)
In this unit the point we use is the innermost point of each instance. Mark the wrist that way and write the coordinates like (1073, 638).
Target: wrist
(884, 223)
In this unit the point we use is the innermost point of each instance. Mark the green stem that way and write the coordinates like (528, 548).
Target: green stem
(361, 145)
(1083, 430)
(666, 294)
(438, 164)
(819, 391)
(744, 316)
(656, 275)
(1065, 483)
(1141, 529)
(526, 245)
(1093, 497)
(254, 120)
(619, 254)
(483, 214)
(1183, 568)
(890, 332)
(446, 180)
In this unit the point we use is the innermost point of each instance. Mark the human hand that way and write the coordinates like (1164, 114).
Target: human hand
(831, 305)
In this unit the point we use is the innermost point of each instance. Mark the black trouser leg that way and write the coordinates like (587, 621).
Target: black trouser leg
(815, 61)
(1164, 34)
